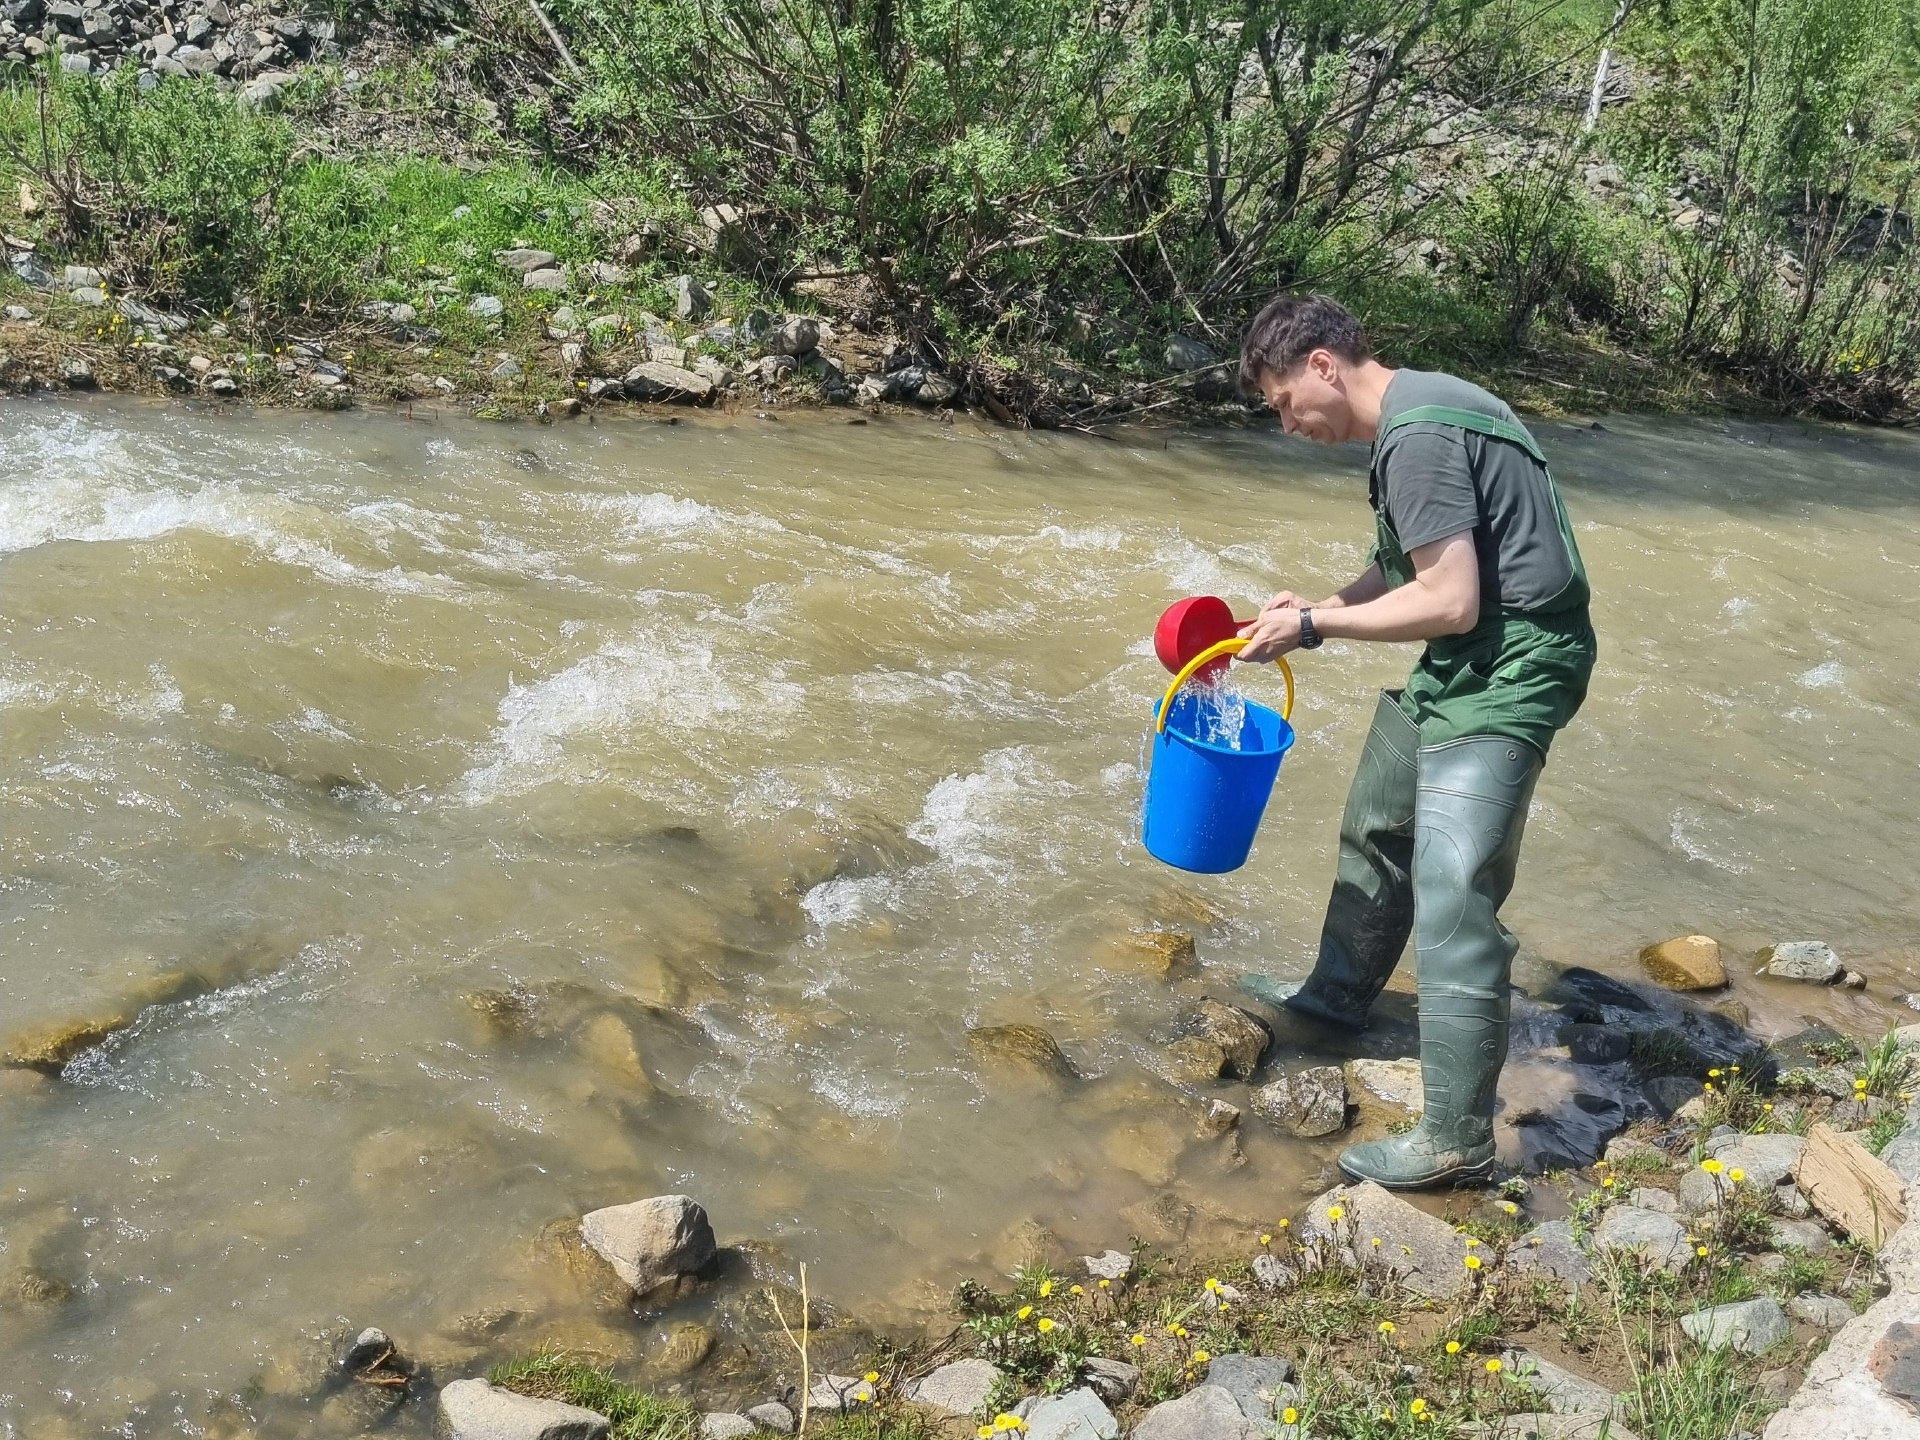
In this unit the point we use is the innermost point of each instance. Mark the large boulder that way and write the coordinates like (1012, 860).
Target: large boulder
(1427, 1255)
(1866, 1386)
(1309, 1103)
(475, 1410)
(1257, 1383)
(1749, 1326)
(651, 1241)
(1205, 1413)
(652, 380)
(1690, 962)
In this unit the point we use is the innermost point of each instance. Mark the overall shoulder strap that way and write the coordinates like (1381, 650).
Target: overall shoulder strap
(1472, 420)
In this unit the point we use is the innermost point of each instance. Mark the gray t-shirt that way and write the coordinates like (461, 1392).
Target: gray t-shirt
(1437, 480)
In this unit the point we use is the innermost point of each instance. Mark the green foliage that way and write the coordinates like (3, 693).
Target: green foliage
(1696, 1395)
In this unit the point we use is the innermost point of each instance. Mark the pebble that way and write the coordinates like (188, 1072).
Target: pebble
(775, 1417)
(1109, 1265)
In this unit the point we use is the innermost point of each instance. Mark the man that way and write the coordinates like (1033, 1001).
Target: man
(1474, 555)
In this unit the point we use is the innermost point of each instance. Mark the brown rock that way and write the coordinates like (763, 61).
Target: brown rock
(1196, 1061)
(1163, 953)
(1308, 1103)
(1026, 1049)
(606, 1043)
(1689, 962)
(684, 1347)
(48, 1048)
(1242, 1038)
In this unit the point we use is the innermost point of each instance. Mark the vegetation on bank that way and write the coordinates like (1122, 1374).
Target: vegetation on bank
(1035, 195)
(1372, 1358)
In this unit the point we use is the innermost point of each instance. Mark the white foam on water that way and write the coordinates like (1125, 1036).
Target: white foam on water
(655, 515)
(987, 821)
(625, 692)
(1685, 832)
(1736, 607)
(1829, 675)
(850, 901)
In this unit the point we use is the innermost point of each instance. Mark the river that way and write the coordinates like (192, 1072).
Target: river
(480, 824)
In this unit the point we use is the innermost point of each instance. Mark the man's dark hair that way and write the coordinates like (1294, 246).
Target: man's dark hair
(1292, 327)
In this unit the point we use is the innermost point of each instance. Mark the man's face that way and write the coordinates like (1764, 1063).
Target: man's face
(1312, 399)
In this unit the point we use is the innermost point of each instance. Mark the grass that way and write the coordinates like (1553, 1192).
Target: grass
(1695, 1395)
(636, 1414)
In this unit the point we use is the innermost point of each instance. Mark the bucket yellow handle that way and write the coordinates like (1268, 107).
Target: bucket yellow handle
(1206, 656)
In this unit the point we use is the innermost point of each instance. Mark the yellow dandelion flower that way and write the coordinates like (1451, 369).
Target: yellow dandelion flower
(1493, 1367)
(1453, 1347)
(985, 1432)
(1736, 1175)
(1290, 1416)
(1709, 1084)
(1736, 1069)
(1285, 1223)
(1607, 1184)
(1023, 1312)
(872, 1377)
(1712, 1167)
(1509, 1207)
(1212, 1284)
(1334, 1212)
(1473, 1262)
(1223, 1307)
(1136, 1340)
(1045, 1324)
(1767, 1106)
(1471, 1242)
(1266, 1239)
(1180, 1332)
(1201, 1357)
(1106, 1284)
(1386, 1327)
(1715, 1074)
(1046, 1288)
(1376, 1242)
(1076, 1290)
(1418, 1407)
(1701, 1251)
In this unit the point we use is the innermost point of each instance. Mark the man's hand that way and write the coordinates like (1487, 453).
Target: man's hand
(1275, 633)
(1285, 600)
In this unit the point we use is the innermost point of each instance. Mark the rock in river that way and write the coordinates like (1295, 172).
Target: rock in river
(1308, 1103)
(1810, 960)
(1242, 1038)
(1025, 1048)
(1689, 962)
(651, 1241)
(475, 1410)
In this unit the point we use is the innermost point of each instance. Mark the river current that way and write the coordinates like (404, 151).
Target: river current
(480, 824)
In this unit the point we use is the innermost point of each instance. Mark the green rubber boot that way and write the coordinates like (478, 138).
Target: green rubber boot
(1370, 913)
(1469, 816)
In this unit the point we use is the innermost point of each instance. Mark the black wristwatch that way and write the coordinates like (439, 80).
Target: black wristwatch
(1310, 638)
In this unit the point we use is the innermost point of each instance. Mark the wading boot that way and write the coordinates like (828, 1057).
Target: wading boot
(1469, 815)
(1370, 913)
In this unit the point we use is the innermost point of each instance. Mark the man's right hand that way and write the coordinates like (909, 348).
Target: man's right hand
(1285, 600)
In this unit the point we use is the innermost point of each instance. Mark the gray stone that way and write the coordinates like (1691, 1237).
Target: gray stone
(1826, 1311)
(1563, 1392)
(77, 374)
(19, 312)
(1902, 1155)
(553, 282)
(799, 336)
(1766, 1159)
(771, 367)
(1807, 1235)
(224, 386)
(834, 1393)
(1257, 1383)
(264, 89)
(475, 1410)
(487, 307)
(28, 270)
(1549, 1249)
(654, 381)
(1114, 1381)
(523, 260)
(1656, 1238)
(1792, 1202)
(651, 1241)
(1810, 960)
(1077, 1415)
(668, 354)
(194, 60)
(691, 301)
(1110, 1265)
(937, 390)
(1595, 1044)
(775, 1417)
(1749, 1326)
(1308, 1103)
(77, 64)
(1700, 1192)
(1649, 1199)
(507, 369)
(1427, 1254)
(77, 276)
(369, 1347)
(605, 272)
(1545, 1425)
(959, 1388)
(723, 1425)
(1205, 1413)
(1271, 1274)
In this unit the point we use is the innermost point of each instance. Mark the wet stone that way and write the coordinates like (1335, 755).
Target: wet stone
(1396, 1084)
(1308, 1103)
(1164, 953)
(651, 1241)
(1218, 1118)
(1024, 1048)
(1242, 1038)
(1595, 1044)
(475, 1410)
(683, 1348)
(833, 1394)
(1813, 961)
(1110, 1265)
(1689, 962)
(1196, 1061)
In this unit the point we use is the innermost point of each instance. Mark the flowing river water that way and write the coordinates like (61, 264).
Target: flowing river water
(482, 824)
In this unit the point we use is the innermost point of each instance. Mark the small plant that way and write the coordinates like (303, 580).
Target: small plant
(636, 1414)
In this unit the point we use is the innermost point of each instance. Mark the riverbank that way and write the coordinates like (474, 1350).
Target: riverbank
(1683, 1285)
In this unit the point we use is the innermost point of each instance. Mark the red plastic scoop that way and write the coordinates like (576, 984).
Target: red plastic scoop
(1190, 626)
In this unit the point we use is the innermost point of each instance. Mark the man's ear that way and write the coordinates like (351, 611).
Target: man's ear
(1326, 365)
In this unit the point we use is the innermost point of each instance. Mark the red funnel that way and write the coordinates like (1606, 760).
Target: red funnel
(1190, 626)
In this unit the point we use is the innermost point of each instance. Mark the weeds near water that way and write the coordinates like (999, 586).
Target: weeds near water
(636, 1414)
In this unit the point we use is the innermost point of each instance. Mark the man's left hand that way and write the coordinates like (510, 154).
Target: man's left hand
(1273, 634)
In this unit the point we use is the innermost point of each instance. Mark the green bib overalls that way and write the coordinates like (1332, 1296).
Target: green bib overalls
(1431, 838)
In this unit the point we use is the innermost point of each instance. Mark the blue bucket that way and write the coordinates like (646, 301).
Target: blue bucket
(1204, 799)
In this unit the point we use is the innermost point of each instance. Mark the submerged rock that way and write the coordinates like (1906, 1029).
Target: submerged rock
(48, 1048)
(1162, 953)
(475, 1410)
(1308, 1103)
(684, 1347)
(1690, 962)
(651, 1241)
(1024, 1048)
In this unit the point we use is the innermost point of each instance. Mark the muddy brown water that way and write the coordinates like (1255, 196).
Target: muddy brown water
(482, 824)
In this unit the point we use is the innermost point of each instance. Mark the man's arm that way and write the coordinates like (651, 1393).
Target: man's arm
(1442, 599)
(1370, 586)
